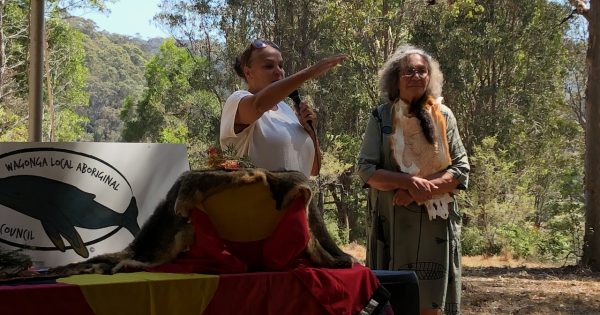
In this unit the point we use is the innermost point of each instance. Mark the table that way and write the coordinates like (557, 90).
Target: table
(299, 291)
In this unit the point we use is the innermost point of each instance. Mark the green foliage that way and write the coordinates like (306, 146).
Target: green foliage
(331, 167)
(116, 71)
(340, 236)
(65, 77)
(496, 74)
(174, 131)
(67, 68)
(473, 242)
(368, 32)
(565, 223)
(12, 126)
(497, 196)
(165, 76)
(520, 240)
(175, 107)
(564, 237)
(14, 26)
(343, 190)
(339, 157)
(535, 211)
(13, 71)
(64, 71)
(70, 126)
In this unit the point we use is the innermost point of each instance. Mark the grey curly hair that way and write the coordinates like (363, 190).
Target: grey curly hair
(388, 74)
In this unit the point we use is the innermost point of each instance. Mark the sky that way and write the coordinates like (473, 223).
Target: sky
(127, 17)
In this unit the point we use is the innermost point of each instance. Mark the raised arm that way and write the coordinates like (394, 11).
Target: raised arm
(254, 106)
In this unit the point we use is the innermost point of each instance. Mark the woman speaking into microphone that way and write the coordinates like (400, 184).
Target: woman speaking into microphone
(256, 121)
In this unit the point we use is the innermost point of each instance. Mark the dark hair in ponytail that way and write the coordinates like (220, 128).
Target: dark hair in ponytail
(241, 61)
(418, 109)
(239, 69)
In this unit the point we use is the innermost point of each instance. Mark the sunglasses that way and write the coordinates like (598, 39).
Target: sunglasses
(262, 43)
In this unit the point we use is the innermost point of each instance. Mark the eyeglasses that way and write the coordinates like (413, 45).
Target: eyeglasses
(411, 72)
(261, 43)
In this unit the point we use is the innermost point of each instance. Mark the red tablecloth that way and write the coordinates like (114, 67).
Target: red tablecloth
(300, 291)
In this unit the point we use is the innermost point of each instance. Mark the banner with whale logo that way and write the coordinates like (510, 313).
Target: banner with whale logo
(66, 202)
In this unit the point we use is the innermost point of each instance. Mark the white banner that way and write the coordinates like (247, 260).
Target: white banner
(66, 202)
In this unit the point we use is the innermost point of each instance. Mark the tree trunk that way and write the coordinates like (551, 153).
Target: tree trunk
(341, 210)
(591, 245)
(385, 9)
(3, 57)
(49, 91)
(346, 208)
(354, 230)
(350, 205)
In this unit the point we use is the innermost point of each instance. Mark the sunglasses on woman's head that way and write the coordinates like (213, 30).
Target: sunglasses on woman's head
(261, 43)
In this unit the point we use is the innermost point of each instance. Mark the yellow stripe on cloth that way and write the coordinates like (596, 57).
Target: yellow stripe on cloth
(146, 292)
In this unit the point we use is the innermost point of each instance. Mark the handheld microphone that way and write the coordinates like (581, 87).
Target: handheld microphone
(295, 96)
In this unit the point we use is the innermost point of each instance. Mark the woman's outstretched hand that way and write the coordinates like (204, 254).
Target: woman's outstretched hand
(325, 65)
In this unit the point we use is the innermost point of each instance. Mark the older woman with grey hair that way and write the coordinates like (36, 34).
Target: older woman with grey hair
(413, 161)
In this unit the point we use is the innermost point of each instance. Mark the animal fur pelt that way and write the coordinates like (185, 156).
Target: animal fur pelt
(13, 263)
(422, 149)
(168, 232)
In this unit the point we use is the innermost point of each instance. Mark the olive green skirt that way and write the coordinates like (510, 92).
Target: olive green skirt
(405, 239)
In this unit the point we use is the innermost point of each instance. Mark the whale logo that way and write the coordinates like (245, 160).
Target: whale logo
(63, 190)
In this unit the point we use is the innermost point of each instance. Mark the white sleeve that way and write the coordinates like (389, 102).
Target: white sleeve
(228, 137)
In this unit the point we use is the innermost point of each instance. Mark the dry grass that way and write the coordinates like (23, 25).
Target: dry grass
(505, 285)
(504, 261)
(358, 251)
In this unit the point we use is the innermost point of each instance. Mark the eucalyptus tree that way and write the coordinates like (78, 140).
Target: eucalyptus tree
(65, 81)
(576, 43)
(65, 72)
(65, 76)
(495, 71)
(13, 41)
(13, 81)
(115, 65)
(175, 107)
(591, 248)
